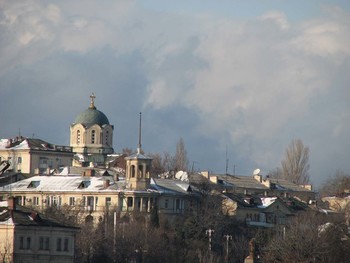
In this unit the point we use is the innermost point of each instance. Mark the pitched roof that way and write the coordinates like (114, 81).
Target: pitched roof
(171, 186)
(283, 184)
(23, 216)
(21, 143)
(242, 181)
(60, 183)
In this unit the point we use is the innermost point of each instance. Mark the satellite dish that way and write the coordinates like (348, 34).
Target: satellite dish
(256, 172)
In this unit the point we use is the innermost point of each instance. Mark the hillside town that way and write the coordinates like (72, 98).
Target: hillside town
(86, 203)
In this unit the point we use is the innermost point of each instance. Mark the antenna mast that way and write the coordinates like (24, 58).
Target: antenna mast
(139, 146)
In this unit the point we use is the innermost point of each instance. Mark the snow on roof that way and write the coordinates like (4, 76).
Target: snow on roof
(267, 201)
(4, 143)
(58, 183)
(21, 143)
(170, 186)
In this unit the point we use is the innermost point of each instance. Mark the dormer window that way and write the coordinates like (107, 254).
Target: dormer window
(33, 184)
(84, 184)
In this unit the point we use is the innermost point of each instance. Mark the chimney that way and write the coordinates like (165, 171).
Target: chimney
(89, 173)
(11, 203)
(106, 183)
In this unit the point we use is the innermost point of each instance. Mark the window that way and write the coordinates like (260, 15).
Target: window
(35, 200)
(93, 135)
(130, 201)
(177, 204)
(59, 244)
(19, 160)
(90, 201)
(78, 136)
(54, 200)
(166, 203)
(107, 135)
(71, 200)
(108, 201)
(29, 241)
(132, 171)
(21, 242)
(44, 243)
(65, 244)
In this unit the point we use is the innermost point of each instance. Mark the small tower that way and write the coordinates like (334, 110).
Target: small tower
(138, 168)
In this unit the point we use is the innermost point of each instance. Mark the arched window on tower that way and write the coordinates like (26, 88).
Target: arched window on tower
(132, 171)
(140, 171)
(78, 136)
(106, 138)
(93, 136)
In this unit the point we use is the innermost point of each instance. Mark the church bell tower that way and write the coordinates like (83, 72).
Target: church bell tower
(138, 168)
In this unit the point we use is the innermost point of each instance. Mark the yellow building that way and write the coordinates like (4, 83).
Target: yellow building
(34, 156)
(26, 236)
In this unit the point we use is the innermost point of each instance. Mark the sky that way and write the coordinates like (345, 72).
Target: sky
(237, 80)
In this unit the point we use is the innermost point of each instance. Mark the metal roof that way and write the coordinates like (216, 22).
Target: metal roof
(242, 181)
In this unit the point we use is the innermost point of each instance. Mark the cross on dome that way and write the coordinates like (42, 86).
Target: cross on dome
(92, 103)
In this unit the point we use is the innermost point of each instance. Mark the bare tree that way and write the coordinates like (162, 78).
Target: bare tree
(181, 160)
(337, 185)
(127, 151)
(295, 166)
(276, 173)
(168, 162)
(309, 238)
(157, 164)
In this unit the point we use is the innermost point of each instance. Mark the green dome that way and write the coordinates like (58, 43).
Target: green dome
(92, 116)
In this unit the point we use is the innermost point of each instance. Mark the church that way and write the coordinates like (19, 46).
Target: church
(91, 137)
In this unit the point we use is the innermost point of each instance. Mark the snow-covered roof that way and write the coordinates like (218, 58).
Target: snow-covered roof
(170, 186)
(20, 143)
(61, 183)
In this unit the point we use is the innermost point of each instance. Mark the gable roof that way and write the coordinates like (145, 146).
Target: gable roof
(23, 216)
(241, 181)
(21, 143)
(170, 186)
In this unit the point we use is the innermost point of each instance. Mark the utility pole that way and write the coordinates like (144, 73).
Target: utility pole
(114, 236)
(228, 237)
(209, 233)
